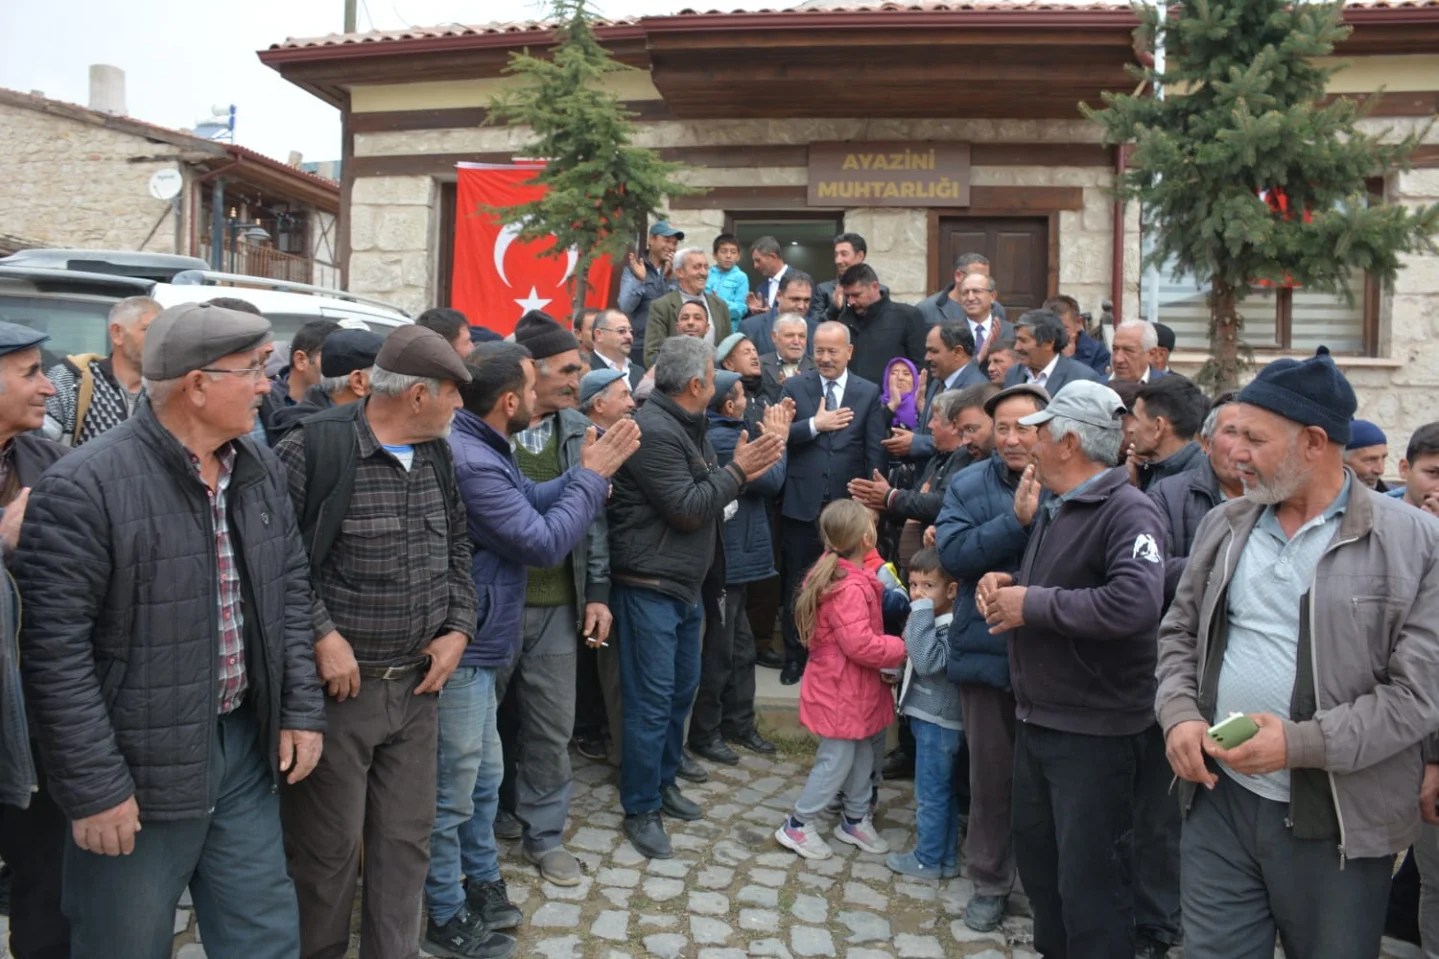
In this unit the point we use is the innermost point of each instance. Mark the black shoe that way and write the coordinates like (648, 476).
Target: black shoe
(898, 765)
(691, 771)
(676, 806)
(507, 826)
(768, 658)
(647, 834)
(465, 937)
(491, 902)
(1146, 948)
(716, 752)
(791, 673)
(751, 739)
(592, 747)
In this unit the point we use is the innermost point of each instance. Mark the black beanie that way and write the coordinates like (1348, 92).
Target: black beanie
(1310, 392)
(543, 336)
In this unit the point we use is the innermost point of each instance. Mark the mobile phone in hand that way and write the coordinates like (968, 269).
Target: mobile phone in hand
(1234, 731)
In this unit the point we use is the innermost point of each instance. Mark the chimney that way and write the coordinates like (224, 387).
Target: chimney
(107, 89)
(295, 158)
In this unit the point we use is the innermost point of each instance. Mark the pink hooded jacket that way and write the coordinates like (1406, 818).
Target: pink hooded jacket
(842, 695)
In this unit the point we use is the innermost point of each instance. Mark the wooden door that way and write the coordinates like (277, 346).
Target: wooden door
(1018, 253)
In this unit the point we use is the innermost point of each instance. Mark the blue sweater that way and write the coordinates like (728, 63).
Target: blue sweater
(732, 286)
(514, 524)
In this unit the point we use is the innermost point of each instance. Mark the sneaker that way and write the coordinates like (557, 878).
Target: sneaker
(861, 834)
(908, 864)
(507, 826)
(556, 866)
(491, 901)
(466, 937)
(804, 840)
(984, 912)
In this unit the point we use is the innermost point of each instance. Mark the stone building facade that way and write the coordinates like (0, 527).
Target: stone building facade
(414, 105)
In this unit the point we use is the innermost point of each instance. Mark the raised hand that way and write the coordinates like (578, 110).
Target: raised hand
(1026, 497)
(755, 456)
(607, 454)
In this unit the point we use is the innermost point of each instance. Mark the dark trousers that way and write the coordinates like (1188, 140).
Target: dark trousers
(724, 703)
(1245, 876)
(989, 841)
(1073, 829)
(375, 784)
(659, 671)
(32, 841)
(764, 599)
(800, 545)
(1156, 844)
(590, 718)
(233, 860)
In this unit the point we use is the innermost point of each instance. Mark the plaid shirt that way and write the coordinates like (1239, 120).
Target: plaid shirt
(398, 575)
(231, 670)
(537, 437)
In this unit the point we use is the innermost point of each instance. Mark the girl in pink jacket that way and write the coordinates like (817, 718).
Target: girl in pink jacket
(842, 698)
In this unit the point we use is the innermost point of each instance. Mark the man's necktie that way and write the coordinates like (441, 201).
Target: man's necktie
(830, 402)
(978, 340)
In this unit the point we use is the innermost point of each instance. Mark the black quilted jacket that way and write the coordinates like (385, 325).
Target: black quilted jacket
(116, 568)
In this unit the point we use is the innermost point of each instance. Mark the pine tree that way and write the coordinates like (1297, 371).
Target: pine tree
(1244, 174)
(599, 189)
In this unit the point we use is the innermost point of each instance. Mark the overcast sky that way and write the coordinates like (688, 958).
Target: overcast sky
(182, 59)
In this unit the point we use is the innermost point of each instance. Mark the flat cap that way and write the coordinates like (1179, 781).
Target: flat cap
(191, 336)
(15, 337)
(416, 351)
(346, 351)
(1039, 393)
(1165, 335)
(724, 385)
(1083, 401)
(595, 381)
(727, 345)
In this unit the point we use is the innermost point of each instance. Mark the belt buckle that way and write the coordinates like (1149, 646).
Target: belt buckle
(398, 672)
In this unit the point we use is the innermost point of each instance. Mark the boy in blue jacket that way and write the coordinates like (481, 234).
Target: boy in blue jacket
(727, 281)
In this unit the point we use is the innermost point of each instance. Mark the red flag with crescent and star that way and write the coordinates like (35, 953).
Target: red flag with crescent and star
(497, 277)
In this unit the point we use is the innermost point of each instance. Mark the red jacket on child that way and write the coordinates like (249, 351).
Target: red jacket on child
(842, 695)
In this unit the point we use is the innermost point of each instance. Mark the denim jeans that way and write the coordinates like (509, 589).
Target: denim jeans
(936, 812)
(467, 791)
(659, 672)
(233, 861)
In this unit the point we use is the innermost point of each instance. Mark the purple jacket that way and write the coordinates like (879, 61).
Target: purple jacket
(1083, 662)
(514, 524)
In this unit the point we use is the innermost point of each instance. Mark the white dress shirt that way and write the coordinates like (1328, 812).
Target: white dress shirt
(839, 384)
(1042, 377)
(774, 285)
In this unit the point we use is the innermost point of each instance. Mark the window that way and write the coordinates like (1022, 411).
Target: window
(1297, 319)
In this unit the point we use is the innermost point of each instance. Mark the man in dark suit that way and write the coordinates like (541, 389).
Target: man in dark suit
(1082, 347)
(1040, 339)
(692, 273)
(790, 343)
(613, 338)
(849, 249)
(796, 288)
(880, 329)
(949, 354)
(835, 437)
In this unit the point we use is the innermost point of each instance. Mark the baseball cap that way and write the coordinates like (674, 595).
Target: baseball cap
(1083, 401)
(663, 228)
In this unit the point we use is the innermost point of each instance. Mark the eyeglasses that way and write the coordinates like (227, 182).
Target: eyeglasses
(253, 372)
(618, 330)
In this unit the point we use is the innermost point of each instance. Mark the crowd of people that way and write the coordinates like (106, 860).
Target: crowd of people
(266, 634)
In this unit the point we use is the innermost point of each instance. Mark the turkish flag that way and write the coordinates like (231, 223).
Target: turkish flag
(498, 277)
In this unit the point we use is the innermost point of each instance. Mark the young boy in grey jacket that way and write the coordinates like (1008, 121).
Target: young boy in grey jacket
(931, 702)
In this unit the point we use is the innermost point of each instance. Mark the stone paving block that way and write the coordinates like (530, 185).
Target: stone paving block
(556, 915)
(619, 898)
(595, 840)
(709, 931)
(990, 954)
(770, 947)
(709, 903)
(963, 933)
(759, 920)
(857, 893)
(659, 922)
(575, 893)
(822, 883)
(811, 909)
(825, 867)
(627, 855)
(660, 889)
(612, 924)
(868, 954)
(182, 921)
(566, 947)
(186, 900)
(871, 872)
(920, 890)
(811, 941)
(714, 877)
(775, 860)
(666, 945)
(918, 947)
(729, 853)
(618, 876)
(759, 896)
(722, 954)
(672, 868)
(192, 950)
(768, 877)
(864, 926)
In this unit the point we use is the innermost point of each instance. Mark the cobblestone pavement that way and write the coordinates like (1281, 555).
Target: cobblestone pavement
(731, 891)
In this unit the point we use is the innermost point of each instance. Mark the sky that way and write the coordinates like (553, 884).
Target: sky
(181, 60)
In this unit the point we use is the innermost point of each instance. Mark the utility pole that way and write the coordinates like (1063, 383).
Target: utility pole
(350, 16)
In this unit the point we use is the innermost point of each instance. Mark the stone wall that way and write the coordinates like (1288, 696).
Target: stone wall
(394, 234)
(78, 187)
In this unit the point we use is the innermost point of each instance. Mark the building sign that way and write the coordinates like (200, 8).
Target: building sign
(885, 173)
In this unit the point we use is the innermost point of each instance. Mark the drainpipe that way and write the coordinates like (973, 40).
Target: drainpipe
(1116, 265)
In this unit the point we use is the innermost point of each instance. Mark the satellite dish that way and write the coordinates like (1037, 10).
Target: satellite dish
(166, 184)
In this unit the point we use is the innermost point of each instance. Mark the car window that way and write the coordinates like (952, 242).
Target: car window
(75, 324)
